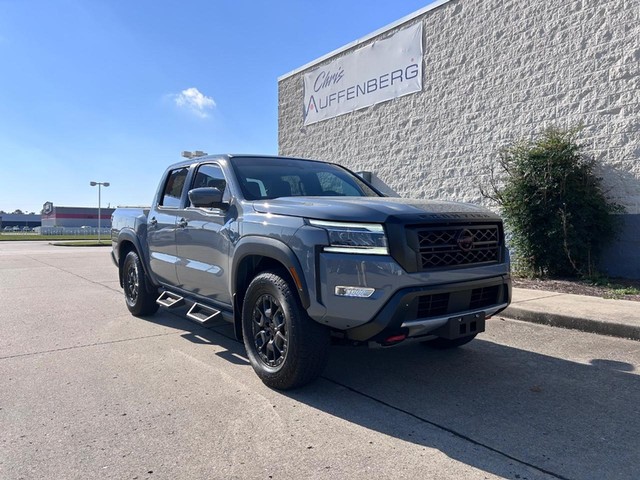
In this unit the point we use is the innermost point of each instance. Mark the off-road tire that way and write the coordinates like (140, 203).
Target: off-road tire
(445, 343)
(140, 301)
(286, 348)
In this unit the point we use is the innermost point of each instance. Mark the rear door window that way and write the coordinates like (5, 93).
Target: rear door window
(173, 188)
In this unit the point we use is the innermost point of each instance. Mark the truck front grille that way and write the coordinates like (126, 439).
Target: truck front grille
(452, 246)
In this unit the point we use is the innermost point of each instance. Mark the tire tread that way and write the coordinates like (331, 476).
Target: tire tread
(311, 350)
(146, 304)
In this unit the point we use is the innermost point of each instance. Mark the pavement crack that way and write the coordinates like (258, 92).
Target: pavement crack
(425, 420)
(446, 429)
(88, 345)
(73, 274)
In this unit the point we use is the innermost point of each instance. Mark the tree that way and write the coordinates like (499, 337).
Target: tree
(554, 206)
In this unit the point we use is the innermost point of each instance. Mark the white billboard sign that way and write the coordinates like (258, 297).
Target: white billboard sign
(382, 70)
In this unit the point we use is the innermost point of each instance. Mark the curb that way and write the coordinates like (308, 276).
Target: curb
(611, 329)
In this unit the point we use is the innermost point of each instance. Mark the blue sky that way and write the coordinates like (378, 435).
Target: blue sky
(114, 90)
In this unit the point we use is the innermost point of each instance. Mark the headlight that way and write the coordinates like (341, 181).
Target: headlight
(366, 238)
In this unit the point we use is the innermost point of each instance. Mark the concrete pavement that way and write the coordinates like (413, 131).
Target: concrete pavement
(88, 391)
(618, 318)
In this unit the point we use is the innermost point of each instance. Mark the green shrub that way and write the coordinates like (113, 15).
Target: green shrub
(553, 204)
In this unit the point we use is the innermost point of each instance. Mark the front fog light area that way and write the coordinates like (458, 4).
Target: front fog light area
(358, 292)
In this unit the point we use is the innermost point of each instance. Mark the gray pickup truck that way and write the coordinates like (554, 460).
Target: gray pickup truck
(298, 252)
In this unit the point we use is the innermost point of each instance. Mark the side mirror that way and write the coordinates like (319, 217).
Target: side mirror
(206, 197)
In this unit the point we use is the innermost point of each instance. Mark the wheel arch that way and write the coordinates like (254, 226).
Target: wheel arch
(128, 241)
(254, 255)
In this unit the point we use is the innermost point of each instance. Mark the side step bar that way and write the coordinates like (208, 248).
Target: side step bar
(203, 314)
(168, 299)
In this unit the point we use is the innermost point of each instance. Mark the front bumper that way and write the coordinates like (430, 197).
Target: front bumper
(422, 311)
(409, 304)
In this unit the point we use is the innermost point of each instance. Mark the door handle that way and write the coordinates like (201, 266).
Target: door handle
(182, 223)
(153, 222)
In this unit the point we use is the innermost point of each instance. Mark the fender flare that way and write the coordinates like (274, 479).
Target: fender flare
(129, 235)
(277, 250)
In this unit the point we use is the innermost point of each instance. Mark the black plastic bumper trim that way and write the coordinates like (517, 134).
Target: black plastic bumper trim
(390, 318)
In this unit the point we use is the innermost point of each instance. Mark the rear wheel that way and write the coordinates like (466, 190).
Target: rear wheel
(444, 343)
(286, 348)
(139, 300)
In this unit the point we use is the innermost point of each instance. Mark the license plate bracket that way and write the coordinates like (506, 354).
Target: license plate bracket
(462, 326)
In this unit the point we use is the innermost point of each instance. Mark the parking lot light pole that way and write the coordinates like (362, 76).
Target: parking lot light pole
(99, 184)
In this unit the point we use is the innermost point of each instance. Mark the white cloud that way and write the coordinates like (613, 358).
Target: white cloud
(195, 101)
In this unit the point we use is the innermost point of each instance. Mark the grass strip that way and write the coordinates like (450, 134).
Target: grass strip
(34, 237)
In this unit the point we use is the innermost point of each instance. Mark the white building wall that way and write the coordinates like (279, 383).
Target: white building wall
(494, 71)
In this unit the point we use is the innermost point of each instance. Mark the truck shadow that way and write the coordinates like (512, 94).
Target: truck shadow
(574, 420)
(203, 335)
(507, 411)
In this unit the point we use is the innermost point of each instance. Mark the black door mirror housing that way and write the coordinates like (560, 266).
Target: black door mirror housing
(206, 197)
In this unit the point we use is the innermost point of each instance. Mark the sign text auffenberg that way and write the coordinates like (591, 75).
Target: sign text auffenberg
(383, 70)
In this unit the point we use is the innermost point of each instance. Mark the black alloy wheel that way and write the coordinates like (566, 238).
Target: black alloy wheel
(286, 348)
(138, 297)
(270, 331)
(131, 283)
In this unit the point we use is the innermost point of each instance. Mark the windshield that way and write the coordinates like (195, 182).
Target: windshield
(268, 178)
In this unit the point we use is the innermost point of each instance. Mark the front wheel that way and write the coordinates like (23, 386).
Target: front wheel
(286, 348)
(138, 299)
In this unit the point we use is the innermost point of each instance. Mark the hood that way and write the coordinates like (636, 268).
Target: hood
(371, 209)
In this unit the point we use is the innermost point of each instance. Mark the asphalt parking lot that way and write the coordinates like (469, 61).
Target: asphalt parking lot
(88, 391)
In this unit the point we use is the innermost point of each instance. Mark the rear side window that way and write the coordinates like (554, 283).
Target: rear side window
(173, 188)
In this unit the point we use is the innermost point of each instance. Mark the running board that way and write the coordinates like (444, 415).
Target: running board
(168, 299)
(203, 314)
